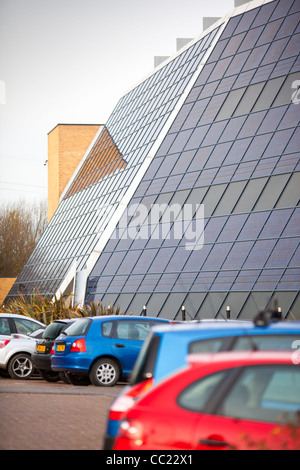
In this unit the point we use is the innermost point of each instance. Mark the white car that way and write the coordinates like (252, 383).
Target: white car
(18, 335)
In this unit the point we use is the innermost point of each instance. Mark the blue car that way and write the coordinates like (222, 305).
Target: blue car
(167, 347)
(101, 349)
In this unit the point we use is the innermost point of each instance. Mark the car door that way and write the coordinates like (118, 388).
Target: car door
(127, 340)
(251, 414)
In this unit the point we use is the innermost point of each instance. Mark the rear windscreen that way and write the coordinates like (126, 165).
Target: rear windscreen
(79, 328)
(53, 330)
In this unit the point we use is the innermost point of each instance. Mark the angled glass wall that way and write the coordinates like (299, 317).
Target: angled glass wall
(106, 173)
(234, 147)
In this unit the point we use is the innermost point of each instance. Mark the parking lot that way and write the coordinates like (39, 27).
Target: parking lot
(37, 415)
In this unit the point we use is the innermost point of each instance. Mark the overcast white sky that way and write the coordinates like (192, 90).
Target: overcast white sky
(69, 61)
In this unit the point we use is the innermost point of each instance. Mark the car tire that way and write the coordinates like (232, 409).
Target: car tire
(76, 379)
(64, 377)
(49, 375)
(105, 373)
(20, 367)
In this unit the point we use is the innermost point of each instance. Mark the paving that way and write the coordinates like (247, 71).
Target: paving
(37, 415)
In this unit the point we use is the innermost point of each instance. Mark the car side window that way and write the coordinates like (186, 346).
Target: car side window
(264, 393)
(197, 394)
(26, 327)
(4, 326)
(208, 345)
(133, 330)
(265, 342)
(106, 328)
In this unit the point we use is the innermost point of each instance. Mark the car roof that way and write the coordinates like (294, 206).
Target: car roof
(229, 327)
(16, 315)
(123, 317)
(241, 358)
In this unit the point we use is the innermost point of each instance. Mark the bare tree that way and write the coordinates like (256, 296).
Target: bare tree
(21, 225)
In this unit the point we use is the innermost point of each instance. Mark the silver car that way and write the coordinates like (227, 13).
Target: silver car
(18, 335)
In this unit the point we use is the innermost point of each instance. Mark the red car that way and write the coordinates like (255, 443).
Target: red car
(220, 401)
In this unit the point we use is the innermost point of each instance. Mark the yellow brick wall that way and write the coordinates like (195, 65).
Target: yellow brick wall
(5, 285)
(67, 144)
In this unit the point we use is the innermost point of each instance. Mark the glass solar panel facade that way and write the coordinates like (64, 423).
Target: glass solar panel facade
(106, 173)
(233, 147)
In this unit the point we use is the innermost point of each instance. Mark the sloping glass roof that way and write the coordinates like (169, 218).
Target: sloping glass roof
(233, 147)
(106, 172)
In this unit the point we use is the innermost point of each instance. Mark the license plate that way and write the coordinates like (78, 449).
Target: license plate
(60, 347)
(41, 348)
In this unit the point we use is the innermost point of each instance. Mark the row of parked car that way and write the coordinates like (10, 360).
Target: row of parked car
(210, 384)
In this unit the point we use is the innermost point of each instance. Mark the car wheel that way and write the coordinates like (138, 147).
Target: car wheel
(20, 367)
(49, 375)
(64, 377)
(105, 373)
(78, 379)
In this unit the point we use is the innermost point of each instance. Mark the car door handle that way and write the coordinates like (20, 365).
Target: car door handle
(120, 345)
(213, 443)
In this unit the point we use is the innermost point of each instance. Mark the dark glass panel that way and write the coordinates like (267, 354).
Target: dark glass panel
(256, 302)
(237, 255)
(161, 260)
(278, 143)
(256, 57)
(232, 228)
(282, 253)
(217, 256)
(272, 119)
(264, 14)
(271, 192)
(251, 39)
(196, 138)
(211, 305)
(292, 228)
(230, 104)
(282, 9)
(259, 254)
(292, 49)
(248, 99)
(192, 303)
(214, 133)
(230, 198)
(218, 154)
(233, 45)
(288, 26)
(269, 32)
(257, 147)
(137, 303)
(149, 282)
(246, 20)
(250, 195)
(232, 129)
(268, 279)
(144, 261)
(251, 125)
(245, 280)
(253, 226)
(212, 197)
(235, 300)
(268, 94)
(155, 304)
(237, 63)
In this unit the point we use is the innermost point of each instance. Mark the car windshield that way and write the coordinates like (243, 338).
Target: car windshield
(79, 328)
(53, 330)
